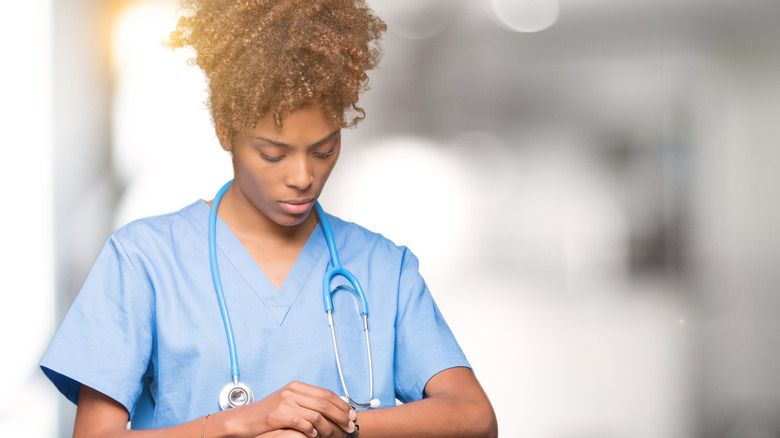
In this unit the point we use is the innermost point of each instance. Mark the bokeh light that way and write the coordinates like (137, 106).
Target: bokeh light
(415, 19)
(163, 134)
(405, 188)
(523, 15)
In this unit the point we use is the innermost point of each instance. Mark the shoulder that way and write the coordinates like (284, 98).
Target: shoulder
(360, 242)
(164, 227)
(355, 235)
(146, 242)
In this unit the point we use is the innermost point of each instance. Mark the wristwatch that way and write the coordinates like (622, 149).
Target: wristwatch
(354, 434)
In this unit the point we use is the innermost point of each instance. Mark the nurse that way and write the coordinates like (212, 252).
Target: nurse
(143, 344)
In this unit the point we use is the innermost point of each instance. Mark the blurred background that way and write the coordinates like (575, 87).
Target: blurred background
(591, 187)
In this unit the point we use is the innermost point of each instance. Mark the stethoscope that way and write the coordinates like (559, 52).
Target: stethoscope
(235, 393)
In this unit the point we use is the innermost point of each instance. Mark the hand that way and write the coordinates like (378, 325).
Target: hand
(307, 409)
(283, 433)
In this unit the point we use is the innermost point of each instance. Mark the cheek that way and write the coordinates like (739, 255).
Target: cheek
(328, 167)
(323, 173)
(253, 179)
(251, 167)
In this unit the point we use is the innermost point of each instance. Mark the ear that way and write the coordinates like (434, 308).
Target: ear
(224, 138)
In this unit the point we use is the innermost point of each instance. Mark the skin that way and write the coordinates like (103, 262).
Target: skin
(277, 171)
(273, 164)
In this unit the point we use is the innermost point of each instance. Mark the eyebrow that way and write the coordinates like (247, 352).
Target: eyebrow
(287, 146)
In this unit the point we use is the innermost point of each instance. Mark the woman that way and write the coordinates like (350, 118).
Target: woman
(144, 340)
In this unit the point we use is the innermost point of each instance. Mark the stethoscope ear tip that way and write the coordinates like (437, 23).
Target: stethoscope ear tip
(374, 403)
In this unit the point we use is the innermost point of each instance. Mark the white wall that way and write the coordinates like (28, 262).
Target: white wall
(26, 259)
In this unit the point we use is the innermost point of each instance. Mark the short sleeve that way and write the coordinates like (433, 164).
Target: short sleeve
(105, 340)
(425, 344)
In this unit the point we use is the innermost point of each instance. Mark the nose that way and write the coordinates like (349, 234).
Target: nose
(301, 174)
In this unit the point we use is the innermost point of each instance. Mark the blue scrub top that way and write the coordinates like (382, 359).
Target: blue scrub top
(146, 328)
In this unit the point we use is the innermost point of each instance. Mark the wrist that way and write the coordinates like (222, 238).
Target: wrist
(220, 425)
(203, 426)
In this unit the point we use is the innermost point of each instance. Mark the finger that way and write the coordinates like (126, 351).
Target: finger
(283, 433)
(322, 426)
(330, 414)
(332, 430)
(324, 401)
(329, 407)
(303, 420)
(325, 428)
(316, 391)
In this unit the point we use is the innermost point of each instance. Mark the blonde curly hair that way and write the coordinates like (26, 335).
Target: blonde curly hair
(276, 56)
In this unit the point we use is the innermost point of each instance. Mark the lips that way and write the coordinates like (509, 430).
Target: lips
(297, 206)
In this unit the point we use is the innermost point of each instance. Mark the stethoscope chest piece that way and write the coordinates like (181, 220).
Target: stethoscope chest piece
(234, 395)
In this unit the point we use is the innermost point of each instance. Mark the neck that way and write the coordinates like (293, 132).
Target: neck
(248, 222)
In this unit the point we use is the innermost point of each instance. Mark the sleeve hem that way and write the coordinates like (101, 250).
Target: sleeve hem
(433, 370)
(69, 384)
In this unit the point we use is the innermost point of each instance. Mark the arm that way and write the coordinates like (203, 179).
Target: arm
(454, 406)
(296, 409)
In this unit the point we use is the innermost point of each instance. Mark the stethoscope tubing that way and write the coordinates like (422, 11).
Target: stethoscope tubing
(218, 282)
(327, 298)
(336, 270)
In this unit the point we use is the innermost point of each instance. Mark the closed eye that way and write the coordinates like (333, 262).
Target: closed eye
(328, 153)
(270, 158)
(325, 154)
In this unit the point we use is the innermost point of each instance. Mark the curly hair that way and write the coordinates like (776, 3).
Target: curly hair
(265, 57)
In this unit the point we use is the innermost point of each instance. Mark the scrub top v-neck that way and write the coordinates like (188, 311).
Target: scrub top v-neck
(278, 300)
(146, 328)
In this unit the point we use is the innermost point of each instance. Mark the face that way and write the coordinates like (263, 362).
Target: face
(281, 171)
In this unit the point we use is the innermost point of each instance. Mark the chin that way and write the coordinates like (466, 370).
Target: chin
(289, 220)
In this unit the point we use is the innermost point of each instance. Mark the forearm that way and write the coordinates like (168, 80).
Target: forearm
(456, 406)
(100, 416)
(295, 407)
(190, 430)
(425, 418)
(213, 426)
